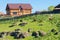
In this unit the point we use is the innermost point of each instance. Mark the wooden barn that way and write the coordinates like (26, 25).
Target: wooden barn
(57, 8)
(18, 9)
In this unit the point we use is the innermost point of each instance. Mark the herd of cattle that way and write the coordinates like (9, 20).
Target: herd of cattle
(17, 34)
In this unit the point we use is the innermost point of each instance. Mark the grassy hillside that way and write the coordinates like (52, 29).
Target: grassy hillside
(41, 22)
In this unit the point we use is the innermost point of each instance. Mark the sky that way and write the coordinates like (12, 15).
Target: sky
(37, 5)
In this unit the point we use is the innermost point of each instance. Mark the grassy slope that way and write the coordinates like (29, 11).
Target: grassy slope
(47, 26)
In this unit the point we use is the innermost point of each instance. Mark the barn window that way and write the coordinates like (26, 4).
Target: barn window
(14, 13)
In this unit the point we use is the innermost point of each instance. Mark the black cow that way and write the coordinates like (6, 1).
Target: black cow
(34, 34)
(22, 24)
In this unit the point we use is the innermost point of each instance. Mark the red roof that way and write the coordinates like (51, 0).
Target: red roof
(16, 6)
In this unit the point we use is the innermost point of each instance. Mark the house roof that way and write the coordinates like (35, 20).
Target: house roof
(16, 6)
(58, 6)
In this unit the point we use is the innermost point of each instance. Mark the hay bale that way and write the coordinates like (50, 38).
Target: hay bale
(41, 33)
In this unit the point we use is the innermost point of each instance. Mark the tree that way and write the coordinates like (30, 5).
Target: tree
(51, 8)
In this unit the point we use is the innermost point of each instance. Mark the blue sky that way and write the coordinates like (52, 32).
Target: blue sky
(37, 5)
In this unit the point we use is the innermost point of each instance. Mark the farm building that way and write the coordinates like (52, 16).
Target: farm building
(2, 14)
(18, 9)
(57, 8)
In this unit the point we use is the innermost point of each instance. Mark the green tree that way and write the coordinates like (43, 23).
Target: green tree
(51, 8)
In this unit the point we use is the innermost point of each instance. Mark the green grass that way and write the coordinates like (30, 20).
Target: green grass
(46, 27)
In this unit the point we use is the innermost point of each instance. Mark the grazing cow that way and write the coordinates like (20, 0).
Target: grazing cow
(29, 30)
(34, 20)
(1, 36)
(53, 30)
(11, 25)
(35, 34)
(2, 33)
(7, 33)
(26, 34)
(21, 35)
(14, 33)
(56, 33)
(17, 30)
(41, 33)
(40, 24)
(50, 18)
(21, 20)
(23, 24)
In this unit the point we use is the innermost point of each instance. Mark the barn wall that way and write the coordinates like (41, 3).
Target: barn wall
(19, 12)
